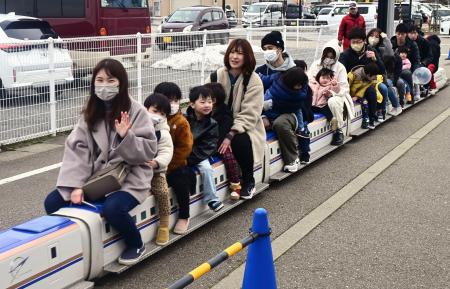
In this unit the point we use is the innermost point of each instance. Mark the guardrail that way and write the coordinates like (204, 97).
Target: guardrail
(259, 271)
(44, 84)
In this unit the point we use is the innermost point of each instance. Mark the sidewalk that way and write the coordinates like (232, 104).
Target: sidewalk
(392, 234)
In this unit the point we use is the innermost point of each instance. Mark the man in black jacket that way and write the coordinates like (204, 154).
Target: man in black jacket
(435, 45)
(426, 55)
(401, 40)
(359, 53)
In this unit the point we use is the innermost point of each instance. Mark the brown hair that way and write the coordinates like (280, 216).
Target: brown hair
(95, 108)
(377, 30)
(249, 57)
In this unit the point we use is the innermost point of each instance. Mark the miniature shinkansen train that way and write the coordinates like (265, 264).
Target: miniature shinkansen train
(74, 246)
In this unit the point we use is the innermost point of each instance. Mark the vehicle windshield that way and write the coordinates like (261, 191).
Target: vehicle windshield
(29, 30)
(256, 8)
(124, 3)
(231, 14)
(184, 16)
(293, 9)
(324, 11)
(443, 13)
(344, 10)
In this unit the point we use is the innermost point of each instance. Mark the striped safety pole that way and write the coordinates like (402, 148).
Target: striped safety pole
(214, 262)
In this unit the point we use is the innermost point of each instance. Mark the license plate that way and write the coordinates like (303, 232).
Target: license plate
(167, 39)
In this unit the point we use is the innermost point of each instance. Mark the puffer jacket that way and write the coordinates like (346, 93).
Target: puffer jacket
(181, 134)
(347, 24)
(359, 83)
(426, 54)
(285, 100)
(165, 145)
(350, 59)
(319, 97)
(435, 45)
(206, 136)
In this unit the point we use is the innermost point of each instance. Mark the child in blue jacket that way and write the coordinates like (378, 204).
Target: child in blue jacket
(287, 93)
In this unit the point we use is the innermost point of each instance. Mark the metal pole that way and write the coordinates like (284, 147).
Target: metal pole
(202, 73)
(139, 66)
(297, 32)
(390, 20)
(223, 5)
(51, 71)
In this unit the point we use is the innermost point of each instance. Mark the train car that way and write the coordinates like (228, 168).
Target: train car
(74, 246)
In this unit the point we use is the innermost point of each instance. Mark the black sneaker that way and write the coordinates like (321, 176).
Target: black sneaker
(338, 138)
(302, 133)
(247, 191)
(304, 158)
(131, 256)
(215, 205)
(365, 123)
(371, 124)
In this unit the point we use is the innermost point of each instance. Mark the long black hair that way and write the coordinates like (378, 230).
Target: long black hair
(95, 108)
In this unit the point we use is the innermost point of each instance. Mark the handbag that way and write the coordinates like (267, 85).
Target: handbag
(106, 181)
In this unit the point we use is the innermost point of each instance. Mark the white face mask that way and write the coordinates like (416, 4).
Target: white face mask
(271, 55)
(373, 41)
(174, 108)
(156, 118)
(328, 62)
(106, 92)
(357, 47)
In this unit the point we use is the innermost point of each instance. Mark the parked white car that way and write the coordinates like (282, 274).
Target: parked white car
(25, 60)
(263, 14)
(445, 25)
(335, 15)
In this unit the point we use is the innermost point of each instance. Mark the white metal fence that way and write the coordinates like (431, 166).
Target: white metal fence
(44, 84)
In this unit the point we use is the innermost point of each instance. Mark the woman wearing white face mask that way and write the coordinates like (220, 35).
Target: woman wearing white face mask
(379, 41)
(113, 129)
(336, 103)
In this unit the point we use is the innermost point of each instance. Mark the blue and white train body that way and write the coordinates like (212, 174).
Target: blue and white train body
(75, 245)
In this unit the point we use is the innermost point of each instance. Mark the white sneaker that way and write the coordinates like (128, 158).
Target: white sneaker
(396, 111)
(433, 91)
(292, 167)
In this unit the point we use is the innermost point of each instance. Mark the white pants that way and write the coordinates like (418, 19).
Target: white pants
(336, 105)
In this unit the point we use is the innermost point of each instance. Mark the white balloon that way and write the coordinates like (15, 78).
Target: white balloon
(421, 75)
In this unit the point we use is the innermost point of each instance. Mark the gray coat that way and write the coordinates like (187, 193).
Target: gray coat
(87, 152)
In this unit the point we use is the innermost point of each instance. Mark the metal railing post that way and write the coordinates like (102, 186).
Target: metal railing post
(285, 34)
(297, 32)
(202, 73)
(51, 72)
(318, 41)
(139, 66)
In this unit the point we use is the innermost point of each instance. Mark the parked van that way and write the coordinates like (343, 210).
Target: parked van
(335, 15)
(263, 14)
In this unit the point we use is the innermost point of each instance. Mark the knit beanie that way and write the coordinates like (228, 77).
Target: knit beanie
(275, 38)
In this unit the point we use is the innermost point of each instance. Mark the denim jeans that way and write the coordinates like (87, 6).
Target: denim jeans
(387, 91)
(300, 122)
(115, 210)
(209, 187)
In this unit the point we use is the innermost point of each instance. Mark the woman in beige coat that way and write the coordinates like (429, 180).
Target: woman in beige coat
(113, 129)
(245, 95)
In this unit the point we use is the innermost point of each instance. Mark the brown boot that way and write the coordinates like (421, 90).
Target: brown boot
(162, 237)
(235, 191)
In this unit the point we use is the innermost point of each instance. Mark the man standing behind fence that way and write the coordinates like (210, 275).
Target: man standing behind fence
(351, 20)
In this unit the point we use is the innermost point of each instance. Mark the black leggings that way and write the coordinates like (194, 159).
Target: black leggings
(243, 152)
(180, 182)
(323, 110)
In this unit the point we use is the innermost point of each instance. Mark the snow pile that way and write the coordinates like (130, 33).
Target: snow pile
(192, 59)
